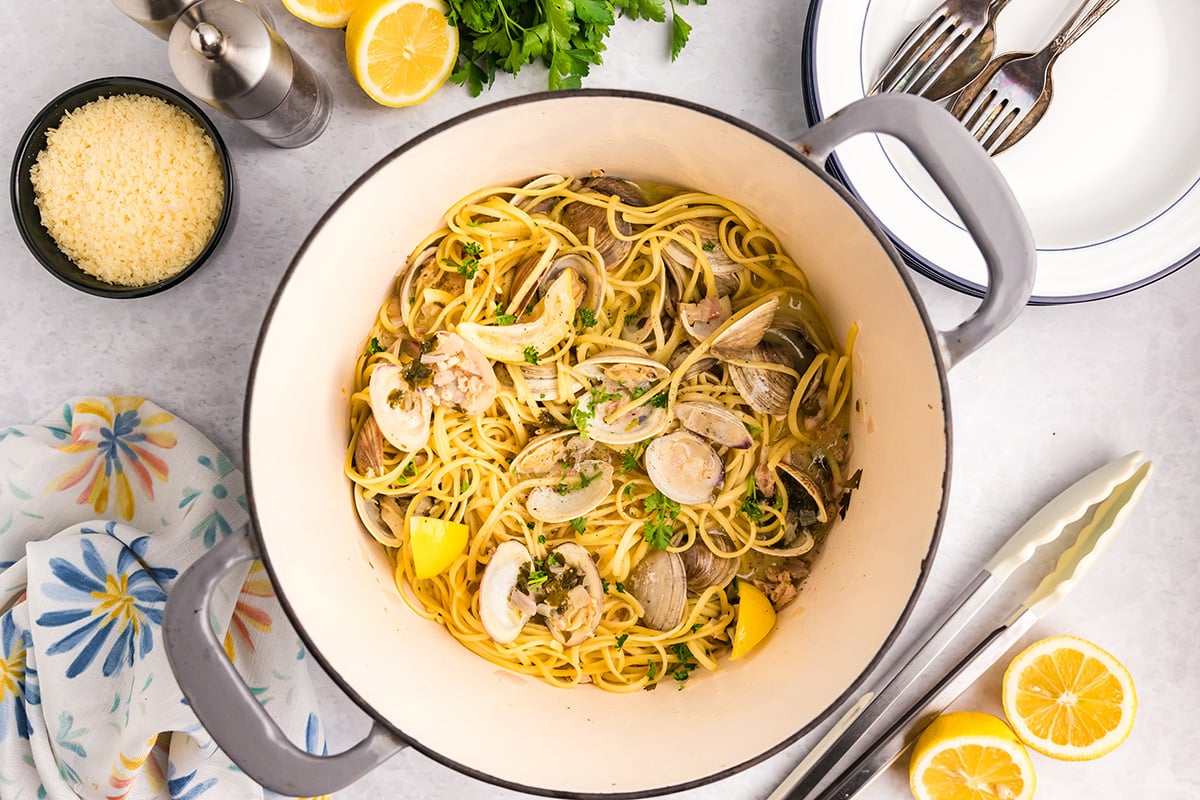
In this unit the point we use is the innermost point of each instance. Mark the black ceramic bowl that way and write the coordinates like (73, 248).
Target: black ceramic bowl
(29, 220)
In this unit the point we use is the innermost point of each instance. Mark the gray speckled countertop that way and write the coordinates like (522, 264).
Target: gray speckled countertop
(1060, 392)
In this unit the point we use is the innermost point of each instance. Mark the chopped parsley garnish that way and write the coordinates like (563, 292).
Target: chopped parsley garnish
(661, 513)
(754, 429)
(531, 525)
(582, 417)
(638, 391)
(660, 400)
(628, 490)
(629, 459)
(696, 627)
(620, 587)
(374, 347)
(684, 669)
(651, 670)
(541, 538)
(630, 319)
(536, 578)
(584, 481)
(621, 640)
(395, 398)
(604, 586)
(750, 504)
(531, 355)
(708, 247)
(578, 524)
(470, 264)
(587, 318)
(502, 318)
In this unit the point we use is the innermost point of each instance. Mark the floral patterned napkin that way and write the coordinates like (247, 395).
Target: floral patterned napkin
(103, 505)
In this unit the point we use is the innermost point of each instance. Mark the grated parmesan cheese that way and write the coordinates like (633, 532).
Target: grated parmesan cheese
(130, 187)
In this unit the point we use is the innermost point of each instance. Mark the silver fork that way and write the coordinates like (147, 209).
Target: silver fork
(944, 52)
(1012, 94)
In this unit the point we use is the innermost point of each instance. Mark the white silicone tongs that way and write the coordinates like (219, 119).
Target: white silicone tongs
(1116, 487)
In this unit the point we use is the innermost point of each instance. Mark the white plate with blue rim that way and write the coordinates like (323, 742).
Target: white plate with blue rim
(1110, 178)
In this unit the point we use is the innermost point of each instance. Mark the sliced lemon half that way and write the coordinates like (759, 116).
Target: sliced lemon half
(400, 51)
(968, 755)
(322, 13)
(1068, 699)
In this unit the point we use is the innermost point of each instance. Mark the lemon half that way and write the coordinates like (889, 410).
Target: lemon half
(400, 51)
(968, 755)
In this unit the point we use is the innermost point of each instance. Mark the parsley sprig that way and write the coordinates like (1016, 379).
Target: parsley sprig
(661, 513)
(470, 263)
(567, 36)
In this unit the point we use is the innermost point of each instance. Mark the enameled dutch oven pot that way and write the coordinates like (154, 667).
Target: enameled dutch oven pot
(421, 686)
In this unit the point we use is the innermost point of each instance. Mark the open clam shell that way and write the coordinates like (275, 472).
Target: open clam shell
(619, 376)
(582, 218)
(589, 487)
(805, 495)
(403, 413)
(548, 452)
(684, 467)
(501, 617)
(706, 567)
(534, 275)
(574, 617)
(368, 449)
(659, 583)
(462, 376)
(715, 423)
(770, 391)
(748, 330)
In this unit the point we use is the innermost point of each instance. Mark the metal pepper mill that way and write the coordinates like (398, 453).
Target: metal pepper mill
(224, 53)
(157, 16)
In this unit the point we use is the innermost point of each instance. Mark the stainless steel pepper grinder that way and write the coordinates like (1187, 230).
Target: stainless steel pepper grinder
(224, 53)
(157, 16)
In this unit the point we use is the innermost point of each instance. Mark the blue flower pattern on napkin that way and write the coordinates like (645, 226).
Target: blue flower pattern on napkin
(84, 578)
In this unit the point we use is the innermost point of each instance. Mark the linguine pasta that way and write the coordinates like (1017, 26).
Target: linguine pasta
(648, 260)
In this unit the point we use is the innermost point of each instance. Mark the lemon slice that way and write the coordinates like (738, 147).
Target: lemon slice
(435, 544)
(323, 13)
(755, 619)
(968, 755)
(400, 51)
(1068, 699)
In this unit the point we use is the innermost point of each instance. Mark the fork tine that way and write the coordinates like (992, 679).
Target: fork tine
(910, 50)
(931, 53)
(959, 45)
(1004, 121)
(1002, 139)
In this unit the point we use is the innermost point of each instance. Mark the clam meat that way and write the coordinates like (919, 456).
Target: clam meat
(700, 320)
(550, 452)
(684, 467)
(461, 376)
(572, 598)
(659, 583)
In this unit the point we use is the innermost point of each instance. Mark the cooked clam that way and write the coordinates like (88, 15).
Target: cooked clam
(748, 330)
(620, 376)
(684, 467)
(770, 391)
(659, 583)
(461, 376)
(538, 205)
(702, 364)
(368, 450)
(715, 423)
(583, 487)
(402, 412)
(583, 218)
(705, 566)
(547, 453)
(700, 320)
(805, 495)
(572, 599)
(535, 274)
(704, 232)
(509, 343)
(503, 618)
(382, 515)
(424, 291)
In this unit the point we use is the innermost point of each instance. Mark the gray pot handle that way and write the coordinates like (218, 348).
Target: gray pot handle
(973, 185)
(225, 705)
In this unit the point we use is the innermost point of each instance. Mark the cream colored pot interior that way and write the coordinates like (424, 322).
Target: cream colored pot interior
(412, 674)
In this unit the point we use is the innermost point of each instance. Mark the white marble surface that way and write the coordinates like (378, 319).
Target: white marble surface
(1060, 392)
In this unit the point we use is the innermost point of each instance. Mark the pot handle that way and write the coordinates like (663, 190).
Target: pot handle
(974, 186)
(225, 705)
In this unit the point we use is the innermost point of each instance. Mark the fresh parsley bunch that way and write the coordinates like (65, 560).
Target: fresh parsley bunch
(566, 35)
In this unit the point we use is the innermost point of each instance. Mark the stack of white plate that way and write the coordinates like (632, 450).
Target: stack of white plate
(1110, 178)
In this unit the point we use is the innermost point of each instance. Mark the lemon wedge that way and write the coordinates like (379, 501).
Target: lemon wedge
(435, 544)
(322, 13)
(400, 51)
(968, 755)
(755, 619)
(1067, 698)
